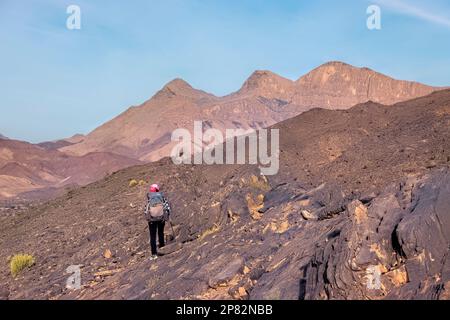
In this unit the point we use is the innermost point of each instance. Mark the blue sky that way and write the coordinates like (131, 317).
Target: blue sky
(56, 82)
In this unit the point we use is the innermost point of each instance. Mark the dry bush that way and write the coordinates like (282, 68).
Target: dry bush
(19, 262)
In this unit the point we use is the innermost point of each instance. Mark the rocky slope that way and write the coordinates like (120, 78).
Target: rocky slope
(265, 98)
(360, 192)
(32, 171)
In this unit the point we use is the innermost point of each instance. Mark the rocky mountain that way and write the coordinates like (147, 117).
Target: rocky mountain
(336, 85)
(144, 132)
(359, 210)
(31, 171)
(3, 137)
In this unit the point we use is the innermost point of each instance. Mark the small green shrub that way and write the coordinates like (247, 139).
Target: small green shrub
(20, 262)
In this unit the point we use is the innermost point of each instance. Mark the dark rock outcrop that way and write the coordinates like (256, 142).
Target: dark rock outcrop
(406, 244)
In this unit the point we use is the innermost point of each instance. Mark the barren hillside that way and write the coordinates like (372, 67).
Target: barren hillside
(31, 171)
(358, 190)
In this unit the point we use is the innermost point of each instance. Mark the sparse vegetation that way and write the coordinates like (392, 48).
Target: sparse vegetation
(19, 262)
(133, 183)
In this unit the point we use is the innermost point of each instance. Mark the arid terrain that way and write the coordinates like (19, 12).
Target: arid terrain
(360, 189)
(143, 133)
(33, 172)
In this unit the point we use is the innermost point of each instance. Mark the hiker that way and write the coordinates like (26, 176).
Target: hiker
(157, 212)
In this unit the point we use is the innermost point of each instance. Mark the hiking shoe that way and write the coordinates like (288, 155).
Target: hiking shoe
(153, 257)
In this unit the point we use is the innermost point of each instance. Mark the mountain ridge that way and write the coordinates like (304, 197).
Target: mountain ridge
(264, 99)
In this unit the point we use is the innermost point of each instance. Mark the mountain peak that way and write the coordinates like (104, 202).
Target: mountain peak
(336, 63)
(337, 71)
(266, 83)
(178, 84)
(179, 87)
(340, 67)
(334, 67)
(338, 85)
(260, 77)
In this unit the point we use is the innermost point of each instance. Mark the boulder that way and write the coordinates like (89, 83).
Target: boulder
(228, 272)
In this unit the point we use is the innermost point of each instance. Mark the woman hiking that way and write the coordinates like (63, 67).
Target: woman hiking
(157, 212)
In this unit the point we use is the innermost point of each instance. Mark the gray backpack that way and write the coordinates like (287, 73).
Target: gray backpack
(155, 210)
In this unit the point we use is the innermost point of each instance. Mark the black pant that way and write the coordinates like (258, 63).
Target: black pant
(155, 226)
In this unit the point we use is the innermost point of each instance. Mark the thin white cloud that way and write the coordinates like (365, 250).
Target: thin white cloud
(412, 10)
